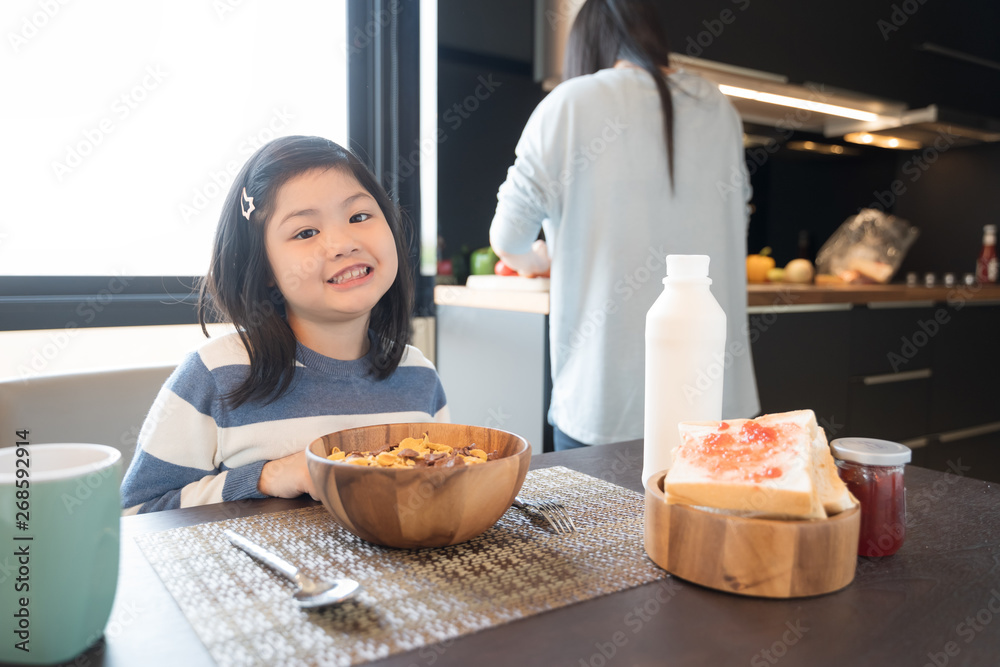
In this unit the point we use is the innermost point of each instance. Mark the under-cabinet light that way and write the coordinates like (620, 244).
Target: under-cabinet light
(797, 103)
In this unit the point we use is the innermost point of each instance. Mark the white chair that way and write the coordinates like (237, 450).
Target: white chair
(102, 407)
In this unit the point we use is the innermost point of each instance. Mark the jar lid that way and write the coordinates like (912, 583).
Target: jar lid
(871, 451)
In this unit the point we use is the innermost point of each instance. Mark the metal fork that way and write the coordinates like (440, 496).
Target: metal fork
(552, 511)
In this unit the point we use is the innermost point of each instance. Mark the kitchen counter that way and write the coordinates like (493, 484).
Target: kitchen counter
(518, 301)
(785, 294)
(766, 295)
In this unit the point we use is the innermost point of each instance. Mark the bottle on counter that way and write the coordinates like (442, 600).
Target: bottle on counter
(986, 265)
(685, 359)
(873, 472)
(805, 247)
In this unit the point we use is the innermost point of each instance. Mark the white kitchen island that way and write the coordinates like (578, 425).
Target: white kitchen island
(493, 358)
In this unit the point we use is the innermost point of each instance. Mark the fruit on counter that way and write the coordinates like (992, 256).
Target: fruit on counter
(828, 279)
(482, 261)
(502, 269)
(799, 271)
(775, 275)
(758, 265)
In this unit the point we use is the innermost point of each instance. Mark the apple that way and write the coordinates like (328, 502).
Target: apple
(799, 271)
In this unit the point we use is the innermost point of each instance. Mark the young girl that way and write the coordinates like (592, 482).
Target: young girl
(310, 264)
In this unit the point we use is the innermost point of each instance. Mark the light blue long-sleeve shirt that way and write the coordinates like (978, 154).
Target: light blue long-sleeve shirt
(591, 170)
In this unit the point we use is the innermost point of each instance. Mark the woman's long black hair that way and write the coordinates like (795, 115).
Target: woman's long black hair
(606, 30)
(240, 287)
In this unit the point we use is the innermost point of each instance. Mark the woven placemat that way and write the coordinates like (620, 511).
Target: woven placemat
(244, 613)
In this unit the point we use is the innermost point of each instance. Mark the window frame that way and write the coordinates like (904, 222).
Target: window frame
(376, 81)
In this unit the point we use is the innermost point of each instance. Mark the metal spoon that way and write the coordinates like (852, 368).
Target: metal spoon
(311, 593)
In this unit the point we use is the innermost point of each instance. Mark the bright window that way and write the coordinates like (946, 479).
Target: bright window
(124, 122)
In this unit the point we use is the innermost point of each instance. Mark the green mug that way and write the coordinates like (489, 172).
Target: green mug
(60, 513)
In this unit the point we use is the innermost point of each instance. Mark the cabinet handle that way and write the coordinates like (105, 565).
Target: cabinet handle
(905, 376)
(991, 302)
(962, 434)
(789, 308)
(889, 305)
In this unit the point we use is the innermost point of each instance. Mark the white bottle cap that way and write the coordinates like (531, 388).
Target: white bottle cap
(870, 451)
(687, 268)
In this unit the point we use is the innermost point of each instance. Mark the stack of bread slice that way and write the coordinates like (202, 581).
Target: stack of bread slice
(777, 466)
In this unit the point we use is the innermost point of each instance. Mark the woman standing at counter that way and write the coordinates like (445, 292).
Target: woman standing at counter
(625, 162)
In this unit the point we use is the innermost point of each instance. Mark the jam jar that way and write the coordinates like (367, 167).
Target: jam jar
(873, 472)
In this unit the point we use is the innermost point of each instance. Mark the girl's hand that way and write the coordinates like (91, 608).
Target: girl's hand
(287, 477)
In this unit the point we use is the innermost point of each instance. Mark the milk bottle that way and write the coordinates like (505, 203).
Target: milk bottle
(685, 359)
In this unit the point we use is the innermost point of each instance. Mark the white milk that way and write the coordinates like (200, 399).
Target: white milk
(685, 359)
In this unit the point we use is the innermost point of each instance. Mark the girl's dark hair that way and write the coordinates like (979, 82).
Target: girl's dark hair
(239, 286)
(606, 30)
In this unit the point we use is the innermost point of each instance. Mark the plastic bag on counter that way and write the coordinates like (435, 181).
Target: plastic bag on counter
(867, 247)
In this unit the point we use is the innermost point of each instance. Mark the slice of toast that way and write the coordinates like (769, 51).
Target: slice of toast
(776, 466)
(832, 491)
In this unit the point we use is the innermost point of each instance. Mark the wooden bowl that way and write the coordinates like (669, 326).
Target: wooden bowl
(418, 507)
(758, 557)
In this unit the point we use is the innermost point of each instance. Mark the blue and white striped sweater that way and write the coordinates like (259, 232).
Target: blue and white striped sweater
(194, 451)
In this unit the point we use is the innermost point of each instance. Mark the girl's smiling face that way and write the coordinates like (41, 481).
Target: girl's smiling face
(330, 248)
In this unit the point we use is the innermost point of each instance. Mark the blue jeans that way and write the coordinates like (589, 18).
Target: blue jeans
(562, 442)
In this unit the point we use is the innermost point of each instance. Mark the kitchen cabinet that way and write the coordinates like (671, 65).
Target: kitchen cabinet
(921, 373)
(885, 338)
(800, 359)
(893, 410)
(494, 365)
(890, 369)
(976, 456)
(966, 361)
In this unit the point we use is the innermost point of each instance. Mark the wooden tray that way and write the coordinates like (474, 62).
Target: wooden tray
(758, 557)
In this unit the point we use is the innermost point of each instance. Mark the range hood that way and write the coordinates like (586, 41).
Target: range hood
(770, 100)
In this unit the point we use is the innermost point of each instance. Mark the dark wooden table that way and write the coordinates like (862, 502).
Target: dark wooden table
(936, 602)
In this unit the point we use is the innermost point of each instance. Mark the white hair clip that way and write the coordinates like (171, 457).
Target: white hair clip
(248, 209)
